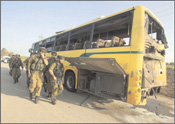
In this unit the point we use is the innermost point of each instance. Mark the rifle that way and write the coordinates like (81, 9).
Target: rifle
(45, 84)
(59, 81)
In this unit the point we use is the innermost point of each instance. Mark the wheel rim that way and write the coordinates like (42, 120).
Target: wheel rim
(70, 82)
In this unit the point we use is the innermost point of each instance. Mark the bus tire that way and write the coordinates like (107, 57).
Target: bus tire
(70, 81)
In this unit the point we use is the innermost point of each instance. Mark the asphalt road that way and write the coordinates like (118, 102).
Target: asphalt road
(16, 107)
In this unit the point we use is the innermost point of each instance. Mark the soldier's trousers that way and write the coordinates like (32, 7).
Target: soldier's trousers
(10, 72)
(49, 80)
(28, 79)
(36, 82)
(56, 88)
(16, 73)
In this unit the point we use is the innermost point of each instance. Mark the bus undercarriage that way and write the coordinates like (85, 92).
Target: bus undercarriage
(101, 76)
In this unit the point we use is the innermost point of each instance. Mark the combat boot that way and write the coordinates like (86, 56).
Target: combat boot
(53, 101)
(36, 99)
(14, 81)
(30, 95)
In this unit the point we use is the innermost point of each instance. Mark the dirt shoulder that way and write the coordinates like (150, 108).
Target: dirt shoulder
(169, 89)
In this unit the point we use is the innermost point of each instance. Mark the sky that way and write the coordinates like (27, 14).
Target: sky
(25, 22)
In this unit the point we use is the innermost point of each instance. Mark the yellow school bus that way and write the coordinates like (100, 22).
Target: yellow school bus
(120, 56)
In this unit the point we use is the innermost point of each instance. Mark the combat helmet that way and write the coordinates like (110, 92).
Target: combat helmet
(54, 53)
(43, 49)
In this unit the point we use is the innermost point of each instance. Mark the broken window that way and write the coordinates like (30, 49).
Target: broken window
(61, 42)
(112, 32)
(155, 37)
(79, 37)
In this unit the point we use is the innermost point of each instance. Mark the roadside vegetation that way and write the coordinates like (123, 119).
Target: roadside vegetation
(170, 66)
(23, 57)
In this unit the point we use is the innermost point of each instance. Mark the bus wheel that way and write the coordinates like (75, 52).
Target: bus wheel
(70, 81)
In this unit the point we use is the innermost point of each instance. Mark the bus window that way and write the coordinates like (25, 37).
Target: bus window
(52, 39)
(78, 37)
(63, 46)
(155, 38)
(86, 44)
(61, 42)
(114, 27)
(125, 42)
(36, 48)
(100, 43)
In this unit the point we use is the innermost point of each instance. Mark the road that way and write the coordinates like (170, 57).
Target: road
(16, 107)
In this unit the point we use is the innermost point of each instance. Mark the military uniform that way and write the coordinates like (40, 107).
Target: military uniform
(37, 66)
(37, 69)
(9, 61)
(51, 60)
(28, 79)
(16, 72)
(56, 87)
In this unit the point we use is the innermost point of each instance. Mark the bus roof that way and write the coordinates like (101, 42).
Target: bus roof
(98, 19)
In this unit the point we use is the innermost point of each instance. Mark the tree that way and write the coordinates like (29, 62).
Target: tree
(11, 53)
(171, 63)
(4, 52)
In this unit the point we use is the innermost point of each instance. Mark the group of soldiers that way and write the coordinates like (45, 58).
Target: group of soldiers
(39, 71)
(14, 64)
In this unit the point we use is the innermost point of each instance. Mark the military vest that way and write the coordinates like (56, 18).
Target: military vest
(58, 71)
(50, 62)
(38, 64)
(16, 63)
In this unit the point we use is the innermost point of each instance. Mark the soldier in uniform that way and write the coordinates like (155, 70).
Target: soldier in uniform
(15, 64)
(56, 71)
(51, 60)
(36, 66)
(9, 61)
(26, 66)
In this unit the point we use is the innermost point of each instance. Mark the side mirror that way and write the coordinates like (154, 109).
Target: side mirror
(30, 50)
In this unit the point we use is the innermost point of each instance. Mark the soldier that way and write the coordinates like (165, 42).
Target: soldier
(10, 60)
(56, 71)
(51, 60)
(36, 66)
(15, 64)
(26, 66)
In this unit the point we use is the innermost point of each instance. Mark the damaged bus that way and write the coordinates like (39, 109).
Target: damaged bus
(120, 56)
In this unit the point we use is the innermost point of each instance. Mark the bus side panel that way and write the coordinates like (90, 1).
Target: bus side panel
(136, 61)
(121, 54)
(135, 80)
